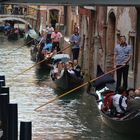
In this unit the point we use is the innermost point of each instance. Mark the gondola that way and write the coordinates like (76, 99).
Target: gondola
(29, 40)
(41, 56)
(127, 124)
(13, 36)
(30, 37)
(67, 80)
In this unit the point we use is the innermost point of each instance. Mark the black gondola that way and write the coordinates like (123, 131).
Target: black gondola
(29, 40)
(127, 124)
(67, 80)
(43, 58)
(13, 36)
(30, 37)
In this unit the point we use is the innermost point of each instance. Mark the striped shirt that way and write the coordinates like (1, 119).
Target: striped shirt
(122, 53)
(75, 41)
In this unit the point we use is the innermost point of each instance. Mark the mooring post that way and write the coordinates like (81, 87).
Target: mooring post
(25, 131)
(12, 121)
(2, 77)
(4, 89)
(4, 100)
(2, 80)
(2, 83)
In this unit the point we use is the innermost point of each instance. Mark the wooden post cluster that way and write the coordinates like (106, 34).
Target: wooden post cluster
(9, 117)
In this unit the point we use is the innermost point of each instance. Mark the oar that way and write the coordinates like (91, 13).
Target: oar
(70, 91)
(38, 63)
(19, 47)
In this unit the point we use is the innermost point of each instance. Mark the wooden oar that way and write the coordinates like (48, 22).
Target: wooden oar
(19, 47)
(70, 91)
(38, 63)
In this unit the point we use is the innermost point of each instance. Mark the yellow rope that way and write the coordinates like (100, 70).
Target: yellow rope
(66, 93)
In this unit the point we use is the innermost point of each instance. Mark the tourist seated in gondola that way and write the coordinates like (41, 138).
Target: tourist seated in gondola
(107, 100)
(69, 66)
(137, 93)
(120, 102)
(58, 70)
(16, 30)
(133, 103)
(115, 104)
(47, 49)
(77, 69)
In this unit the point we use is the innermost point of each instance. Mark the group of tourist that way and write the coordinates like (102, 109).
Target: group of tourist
(73, 68)
(120, 103)
(52, 37)
(49, 43)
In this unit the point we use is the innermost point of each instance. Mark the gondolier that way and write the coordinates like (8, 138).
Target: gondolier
(75, 42)
(122, 56)
(56, 37)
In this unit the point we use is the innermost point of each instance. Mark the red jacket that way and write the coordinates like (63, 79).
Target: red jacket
(108, 102)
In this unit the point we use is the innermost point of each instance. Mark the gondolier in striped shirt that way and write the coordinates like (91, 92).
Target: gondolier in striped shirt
(122, 56)
(75, 42)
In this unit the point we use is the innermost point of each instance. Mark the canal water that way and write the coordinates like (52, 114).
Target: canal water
(74, 117)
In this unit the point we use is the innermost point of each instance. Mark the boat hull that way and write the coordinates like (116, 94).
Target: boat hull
(29, 41)
(68, 81)
(13, 36)
(128, 126)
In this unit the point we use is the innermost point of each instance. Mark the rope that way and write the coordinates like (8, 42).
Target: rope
(38, 63)
(66, 93)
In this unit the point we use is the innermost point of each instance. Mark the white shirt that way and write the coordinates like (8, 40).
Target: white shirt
(71, 71)
(116, 99)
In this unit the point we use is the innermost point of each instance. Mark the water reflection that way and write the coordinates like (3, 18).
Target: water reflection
(41, 75)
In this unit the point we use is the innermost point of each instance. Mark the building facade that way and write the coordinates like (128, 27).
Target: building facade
(106, 25)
